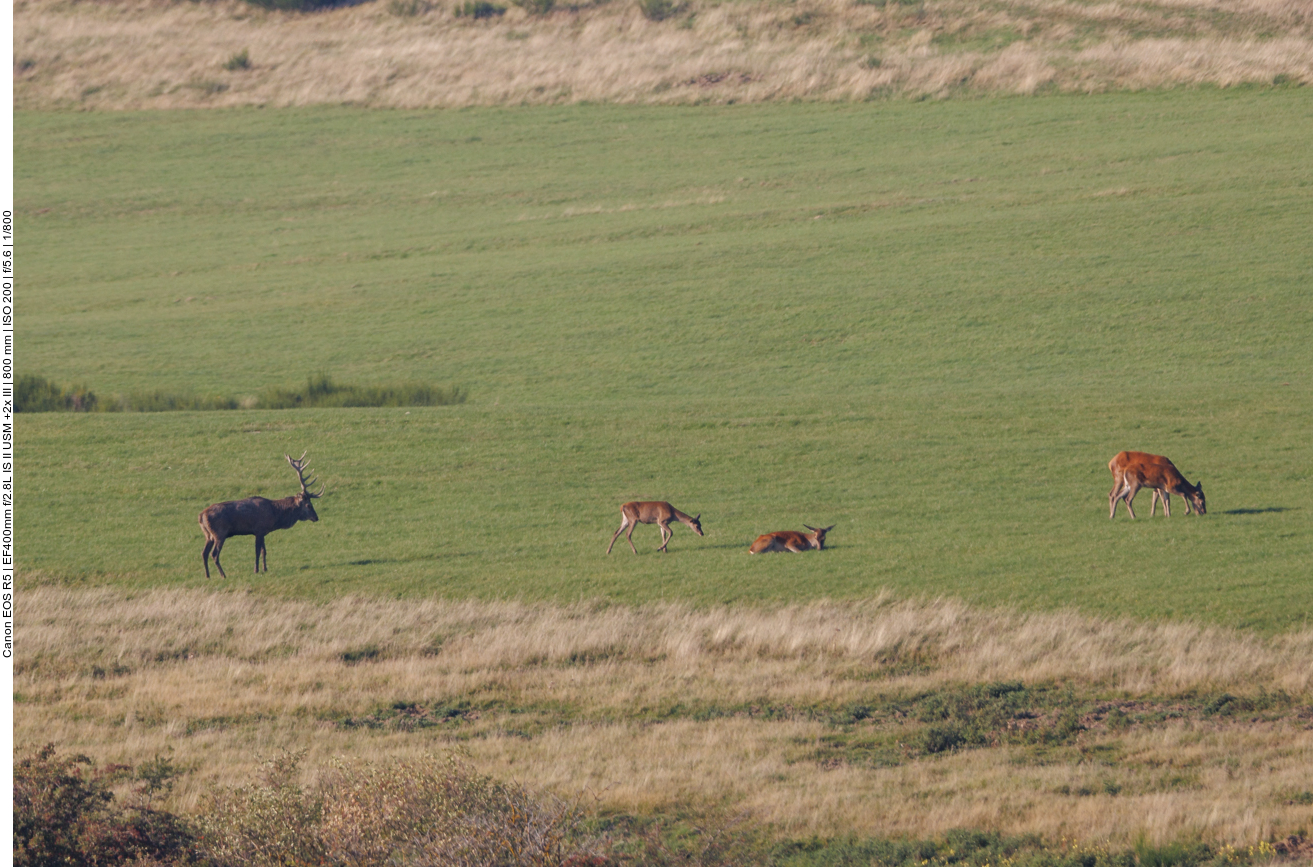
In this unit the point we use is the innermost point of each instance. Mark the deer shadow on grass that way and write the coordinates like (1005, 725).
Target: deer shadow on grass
(419, 558)
(1263, 511)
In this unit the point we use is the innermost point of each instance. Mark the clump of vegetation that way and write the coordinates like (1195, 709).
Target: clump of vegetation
(240, 60)
(659, 10)
(38, 394)
(66, 813)
(429, 811)
(536, 7)
(409, 8)
(295, 5)
(479, 9)
(320, 390)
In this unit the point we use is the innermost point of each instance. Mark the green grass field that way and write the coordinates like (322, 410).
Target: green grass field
(931, 324)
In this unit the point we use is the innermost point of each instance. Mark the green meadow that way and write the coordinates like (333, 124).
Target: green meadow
(930, 324)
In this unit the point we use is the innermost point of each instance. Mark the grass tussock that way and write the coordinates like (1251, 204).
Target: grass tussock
(38, 394)
(878, 718)
(142, 53)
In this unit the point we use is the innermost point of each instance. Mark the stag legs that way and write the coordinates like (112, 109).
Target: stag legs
(260, 548)
(217, 546)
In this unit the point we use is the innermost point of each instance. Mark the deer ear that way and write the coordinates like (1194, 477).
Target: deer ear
(697, 517)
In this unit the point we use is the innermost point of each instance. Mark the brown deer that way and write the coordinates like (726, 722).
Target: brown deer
(791, 540)
(653, 512)
(258, 517)
(1134, 470)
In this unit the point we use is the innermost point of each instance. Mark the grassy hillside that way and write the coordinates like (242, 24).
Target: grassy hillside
(929, 324)
(840, 721)
(417, 53)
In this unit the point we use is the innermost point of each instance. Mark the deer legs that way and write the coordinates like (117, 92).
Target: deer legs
(666, 534)
(1122, 490)
(624, 523)
(212, 549)
(1126, 489)
(261, 549)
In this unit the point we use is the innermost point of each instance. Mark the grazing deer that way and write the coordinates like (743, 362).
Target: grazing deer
(1134, 470)
(652, 512)
(791, 540)
(258, 517)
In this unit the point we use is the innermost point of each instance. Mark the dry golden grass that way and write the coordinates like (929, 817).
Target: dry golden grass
(588, 698)
(152, 53)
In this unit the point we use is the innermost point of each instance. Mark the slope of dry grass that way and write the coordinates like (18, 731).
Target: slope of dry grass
(808, 717)
(148, 53)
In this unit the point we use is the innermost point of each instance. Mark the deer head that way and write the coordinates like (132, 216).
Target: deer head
(820, 534)
(303, 499)
(1197, 498)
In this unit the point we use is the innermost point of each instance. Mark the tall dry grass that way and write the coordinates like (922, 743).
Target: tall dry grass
(177, 53)
(603, 699)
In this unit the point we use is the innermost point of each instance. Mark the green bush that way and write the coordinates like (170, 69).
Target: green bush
(163, 401)
(659, 10)
(536, 7)
(294, 5)
(479, 9)
(322, 391)
(38, 394)
(240, 60)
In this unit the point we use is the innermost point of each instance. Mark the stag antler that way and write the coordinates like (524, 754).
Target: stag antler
(298, 464)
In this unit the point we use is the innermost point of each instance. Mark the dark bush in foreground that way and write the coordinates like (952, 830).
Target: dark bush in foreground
(65, 813)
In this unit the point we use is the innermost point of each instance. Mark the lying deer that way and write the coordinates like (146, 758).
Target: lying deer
(791, 540)
(258, 517)
(661, 514)
(1134, 470)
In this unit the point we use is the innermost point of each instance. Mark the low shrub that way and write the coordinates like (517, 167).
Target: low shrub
(240, 60)
(66, 813)
(294, 5)
(409, 8)
(479, 9)
(322, 391)
(429, 811)
(38, 394)
(536, 7)
(659, 10)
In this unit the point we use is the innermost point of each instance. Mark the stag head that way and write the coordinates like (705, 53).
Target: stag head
(305, 498)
